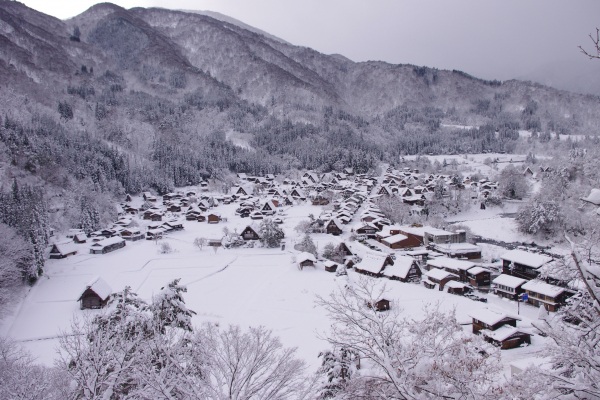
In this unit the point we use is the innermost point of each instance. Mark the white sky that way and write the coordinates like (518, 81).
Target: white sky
(499, 39)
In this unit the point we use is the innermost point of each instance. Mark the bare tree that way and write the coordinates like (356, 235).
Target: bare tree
(22, 379)
(200, 242)
(427, 358)
(249, 365)
(595, 52)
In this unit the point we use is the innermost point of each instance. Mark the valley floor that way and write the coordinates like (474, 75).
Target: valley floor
(248, 287)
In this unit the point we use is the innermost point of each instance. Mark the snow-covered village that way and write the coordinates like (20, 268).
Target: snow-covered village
(193, 208)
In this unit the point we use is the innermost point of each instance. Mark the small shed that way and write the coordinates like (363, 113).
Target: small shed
(305, 259)
(213, 218)
(95, 295)
(507, 337)
(330, 266)
(380, 305)
(455, 287)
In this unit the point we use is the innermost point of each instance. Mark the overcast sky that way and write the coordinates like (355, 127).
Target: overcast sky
(501, 39)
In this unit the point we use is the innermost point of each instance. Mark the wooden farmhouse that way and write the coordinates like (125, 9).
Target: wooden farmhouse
(499, 329)
(80, 238)
(458, 250)
(320, 201)
(542, 293)
(457, 267)
(155, 234)
(414, 235)
(333, 227)
(269, 208)
(372, 264)
(175, 225)
(398, 241)
(249, 233)
(95, 295)
(438, 278)
(508, 286)
(107, 245)
(63, 250)
(297, 194)
(523, 264)
(344, 248)
(149, 197)
(479, 277)
(132, 234)
(404, 269)
(305, 259)
(456, 287)
(368, 229)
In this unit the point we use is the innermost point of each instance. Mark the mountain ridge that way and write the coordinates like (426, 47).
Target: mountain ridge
(166, 88)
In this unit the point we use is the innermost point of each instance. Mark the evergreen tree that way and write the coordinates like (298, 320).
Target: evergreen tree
(307, 245)
(337, 367)
(270, 233)
(169, 309)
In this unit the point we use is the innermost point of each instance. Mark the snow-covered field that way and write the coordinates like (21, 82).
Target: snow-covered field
(245, 286)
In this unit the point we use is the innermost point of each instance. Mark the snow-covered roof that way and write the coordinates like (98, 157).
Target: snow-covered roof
(108, 241)
(490, 317)
(386, 229)
(305, 256)
(335, 221)
(526, 258)
(456, 285)
(477, 270)
(543, 288)
(452, 263)
(329, 263)
(394, 239)
(593, 197)
(371, 262)
(457, 248)
(502, 333)
(439, 274)
(66, 247)
(509, 281)
(422, 230)
(100, 287)
(400, 268)
(437, 232)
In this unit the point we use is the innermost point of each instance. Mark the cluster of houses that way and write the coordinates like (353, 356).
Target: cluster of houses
(529, 275)
(415, 188)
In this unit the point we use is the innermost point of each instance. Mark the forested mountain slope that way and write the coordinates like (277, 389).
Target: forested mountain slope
(118, 100)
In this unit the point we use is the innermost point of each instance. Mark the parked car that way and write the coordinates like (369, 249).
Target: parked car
(475, 297)
(278, 220)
